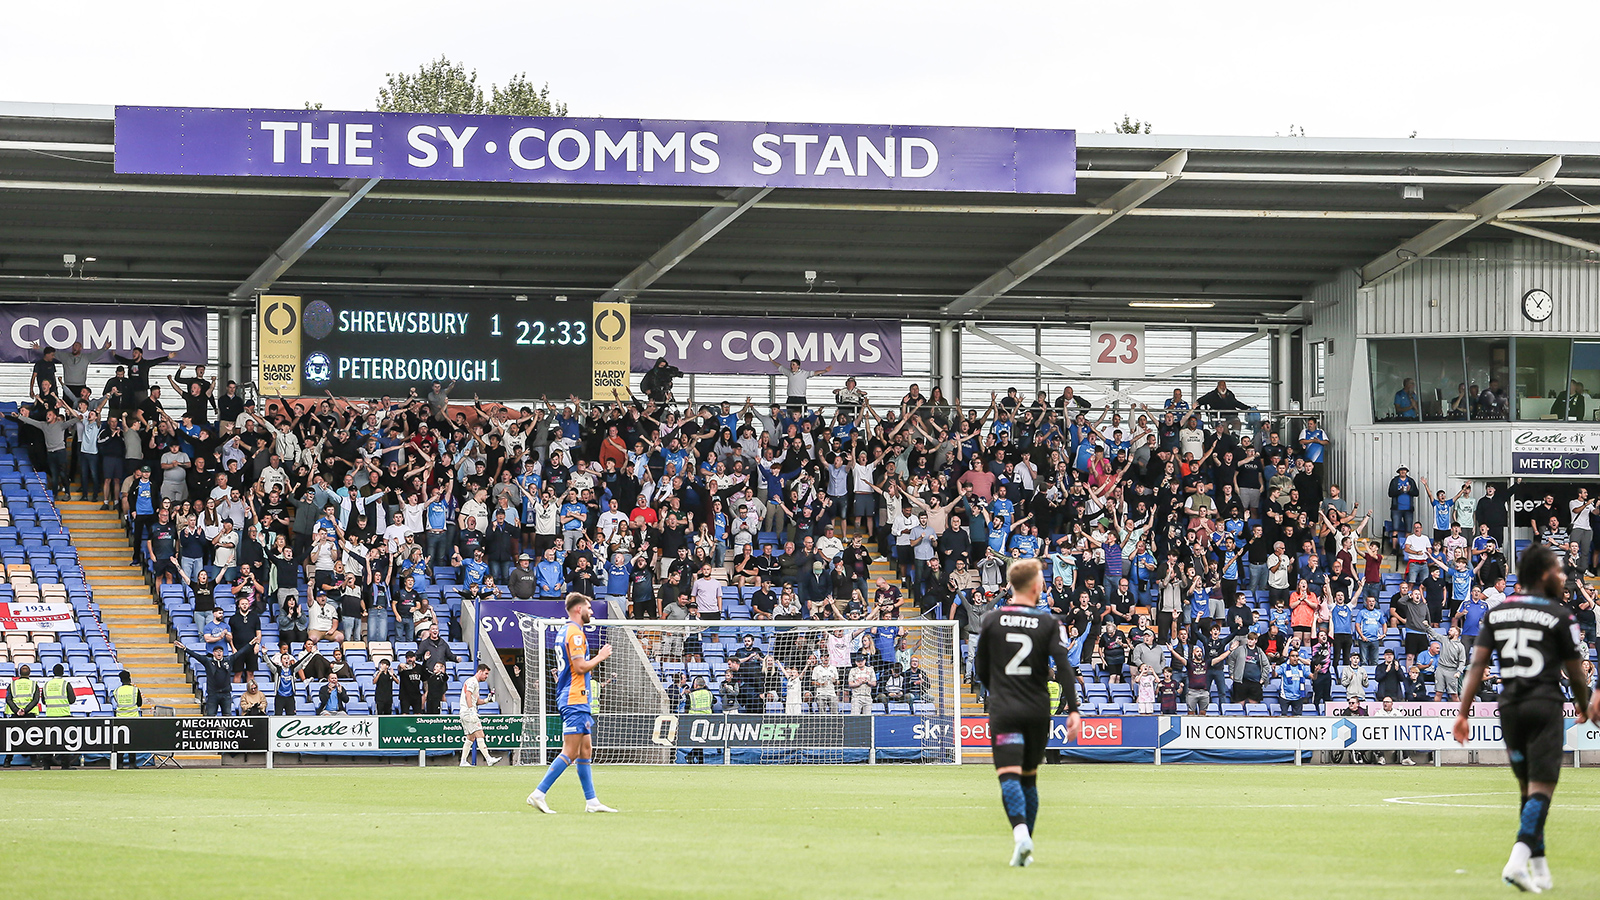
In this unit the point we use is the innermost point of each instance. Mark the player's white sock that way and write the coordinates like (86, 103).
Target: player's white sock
(1539, 866)
(1516, 872)
(466, 753)
(1019, 832)
(1022, 852)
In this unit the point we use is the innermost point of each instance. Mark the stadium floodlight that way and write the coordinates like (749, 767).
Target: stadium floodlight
(770, 714)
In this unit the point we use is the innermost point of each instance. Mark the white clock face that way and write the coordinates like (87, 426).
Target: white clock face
(1537, 305)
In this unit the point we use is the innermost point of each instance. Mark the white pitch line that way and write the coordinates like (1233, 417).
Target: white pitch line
(257, 814)
(1422, 800)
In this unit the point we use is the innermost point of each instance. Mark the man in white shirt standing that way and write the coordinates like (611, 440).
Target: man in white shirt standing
(273, 475)
(1278, 572)
(797, 378)
(707, 593)
(396, 535)
(471, 725)
(611, 520)
(1417, 549)
(824, 681)
(829, 546)
(1387, 711)
(1582, 529)
(862, 682)
(1467, 509)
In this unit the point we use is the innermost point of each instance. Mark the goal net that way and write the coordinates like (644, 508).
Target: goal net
(741, 691)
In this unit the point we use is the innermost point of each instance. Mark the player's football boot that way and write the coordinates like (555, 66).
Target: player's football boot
(596, 806)
(1539, 867)
(1022, 853)
(536, 800)
(1520, 878)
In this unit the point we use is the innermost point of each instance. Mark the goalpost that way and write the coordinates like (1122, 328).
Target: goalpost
(692, 691)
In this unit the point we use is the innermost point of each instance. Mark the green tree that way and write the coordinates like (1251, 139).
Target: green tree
(520, 98)
(443, 86)
(1131, 126)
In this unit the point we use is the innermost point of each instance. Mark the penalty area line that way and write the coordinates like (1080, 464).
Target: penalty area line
(1431, 800)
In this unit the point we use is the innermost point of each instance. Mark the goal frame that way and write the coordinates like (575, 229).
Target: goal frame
(945, 683)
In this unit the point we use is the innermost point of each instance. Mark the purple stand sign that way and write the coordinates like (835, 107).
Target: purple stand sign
(548, 150)
(721, 345)
(157, 330)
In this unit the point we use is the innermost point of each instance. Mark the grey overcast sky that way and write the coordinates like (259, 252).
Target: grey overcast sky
(1350, 69)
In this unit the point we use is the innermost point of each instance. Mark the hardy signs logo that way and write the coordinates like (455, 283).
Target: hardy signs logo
(278, 345)
(325, 733)
(612, 352)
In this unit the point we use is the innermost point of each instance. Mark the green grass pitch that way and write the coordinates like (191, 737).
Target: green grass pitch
(808, 833)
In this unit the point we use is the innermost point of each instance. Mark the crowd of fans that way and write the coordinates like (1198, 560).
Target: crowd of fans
(1192, 553)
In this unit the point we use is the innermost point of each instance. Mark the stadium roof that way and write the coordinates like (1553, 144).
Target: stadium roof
(1245, 223)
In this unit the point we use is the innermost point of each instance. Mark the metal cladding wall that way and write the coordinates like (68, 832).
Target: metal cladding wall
(1332, 309)
(1475, 292)
(1444, 453)
(1479, 291)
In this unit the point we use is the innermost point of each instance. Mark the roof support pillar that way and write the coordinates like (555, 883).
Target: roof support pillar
(305, 237)
(1062, 242)
(689, 240)
(947, 357)
(1483, 210)
(1551, 236)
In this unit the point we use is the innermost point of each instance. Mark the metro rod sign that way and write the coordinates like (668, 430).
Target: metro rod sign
(1573, 453)
(419, 146)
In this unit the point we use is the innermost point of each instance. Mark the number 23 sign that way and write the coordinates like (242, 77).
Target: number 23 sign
(1116, 350)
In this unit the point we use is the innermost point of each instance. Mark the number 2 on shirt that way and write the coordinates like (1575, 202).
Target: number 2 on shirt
(1025, 646)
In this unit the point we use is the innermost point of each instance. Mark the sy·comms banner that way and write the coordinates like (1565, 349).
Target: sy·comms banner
(428, 146)
(157, 330)
(724, 345)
